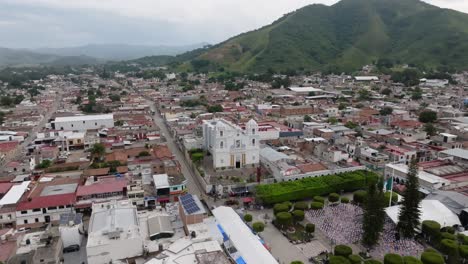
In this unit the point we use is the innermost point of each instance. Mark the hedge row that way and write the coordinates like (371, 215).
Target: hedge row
(310, 187)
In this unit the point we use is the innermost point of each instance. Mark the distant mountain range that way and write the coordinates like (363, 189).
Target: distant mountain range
(88, 54)
(344, 37)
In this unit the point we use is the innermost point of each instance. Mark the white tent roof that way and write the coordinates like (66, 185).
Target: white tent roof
(247, 244)
(430, 210)
(15, 193)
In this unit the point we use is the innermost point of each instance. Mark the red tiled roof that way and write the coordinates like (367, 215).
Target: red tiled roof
(5, 186)
(310, 167)
(105, 186)
(47, 201)
(8, 146)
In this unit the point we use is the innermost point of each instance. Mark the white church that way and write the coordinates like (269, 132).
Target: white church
(230, 145)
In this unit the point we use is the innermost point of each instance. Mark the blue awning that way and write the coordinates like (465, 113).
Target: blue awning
(240, 260)
(225, 236)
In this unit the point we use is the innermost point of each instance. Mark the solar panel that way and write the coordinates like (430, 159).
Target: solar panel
(189, 203)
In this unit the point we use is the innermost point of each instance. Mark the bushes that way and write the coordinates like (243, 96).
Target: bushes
(298, 215)
(387, 197)
(372, 261)
(339, 260)
(280, 208)
(284, 218)
(343, 250)
(411, 260)
(449, 247)
(445, 235)
(319, 199)
(333, 197)
(310, 228)
(432, 258)
(359, 196)
(258, 227)
(316, 206)
(393, 259)
(463, 249)
(301, 206)
(431, 229)
(355, 259)
(248, 218)
(317, 186)
(345, 200)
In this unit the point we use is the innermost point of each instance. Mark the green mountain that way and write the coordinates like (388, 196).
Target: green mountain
(348, 35)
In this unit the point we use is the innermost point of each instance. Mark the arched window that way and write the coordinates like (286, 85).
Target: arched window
(253, 130)
(253, 142)
(221, 144)
(221, 133)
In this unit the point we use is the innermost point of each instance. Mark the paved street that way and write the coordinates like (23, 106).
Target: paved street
(19, 150)
(192, 182)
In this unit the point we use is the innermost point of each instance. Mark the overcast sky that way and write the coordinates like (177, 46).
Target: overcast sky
(59, 23)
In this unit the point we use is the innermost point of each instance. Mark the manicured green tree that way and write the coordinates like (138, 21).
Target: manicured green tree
(393, 259)
(432, 258)
(446, 235)
(339, 260)
(319, 199)
(248, 218)
(309, 229)
(463, 250)
(462, 239)
(394, 198)
(298, 215)
(372, 261)
(359, 196)
(284, 219)
(301, 206)
(343, 250)
(450, 248)
(374, 215)
(411, 260)
(355, 259)
(297, 262)
(258, 227)
(333, 197)
(410, 212)
(316, 205)
(431, 230)
(448, 229)
(277, 208)
(288, 204)
(344, 200)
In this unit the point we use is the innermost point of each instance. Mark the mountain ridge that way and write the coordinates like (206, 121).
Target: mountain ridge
(348, 35)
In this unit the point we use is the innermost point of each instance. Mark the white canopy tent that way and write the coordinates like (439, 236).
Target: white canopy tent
(430, 210)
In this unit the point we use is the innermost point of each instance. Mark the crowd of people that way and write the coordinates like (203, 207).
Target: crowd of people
(390, 242)
(342, 224)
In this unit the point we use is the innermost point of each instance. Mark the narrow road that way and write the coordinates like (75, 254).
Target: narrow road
(32, 134)
(193, 185)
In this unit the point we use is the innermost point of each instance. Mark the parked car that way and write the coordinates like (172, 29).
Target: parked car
(71, 248)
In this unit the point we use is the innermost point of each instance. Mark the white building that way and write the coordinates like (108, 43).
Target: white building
(84, 122)
(427, 181)
(242, 245)
(230, 145)
(114, 233)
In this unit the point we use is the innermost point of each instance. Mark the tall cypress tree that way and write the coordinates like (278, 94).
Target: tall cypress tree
(408, 219)
(374, 215)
